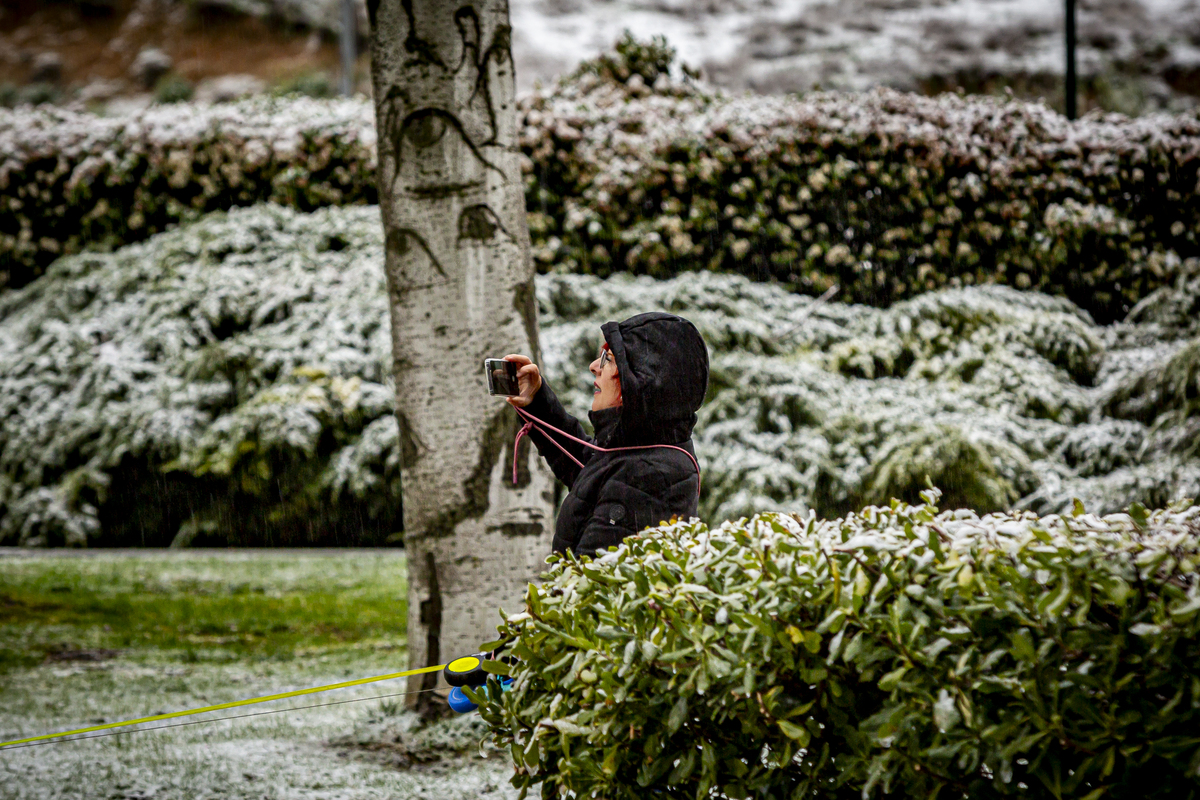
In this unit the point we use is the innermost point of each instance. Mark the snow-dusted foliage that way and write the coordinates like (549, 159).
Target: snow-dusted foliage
(228, 381)
(885, 193)
(74, 180)
(223, 382)
(998, 397)
(891, 653)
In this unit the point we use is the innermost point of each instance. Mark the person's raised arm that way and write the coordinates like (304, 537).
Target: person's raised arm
(537, 399)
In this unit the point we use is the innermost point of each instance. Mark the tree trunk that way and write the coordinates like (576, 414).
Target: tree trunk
(460, 278)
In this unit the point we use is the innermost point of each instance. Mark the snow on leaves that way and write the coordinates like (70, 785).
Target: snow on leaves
(246, 356)
(908, 649)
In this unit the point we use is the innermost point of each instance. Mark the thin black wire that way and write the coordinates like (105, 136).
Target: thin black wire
(216, 719)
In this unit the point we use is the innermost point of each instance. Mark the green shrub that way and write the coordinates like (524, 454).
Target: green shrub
(221, 384)
(72, 181)
(886, 194)
(34, 94)
(944, 455)
(308, 84)
(899, 651)
(226, 382)
(173, 88)
(631, 57)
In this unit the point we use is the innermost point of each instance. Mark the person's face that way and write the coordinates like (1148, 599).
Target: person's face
(606, 384)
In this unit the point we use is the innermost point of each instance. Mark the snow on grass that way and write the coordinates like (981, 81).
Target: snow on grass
(84, 604)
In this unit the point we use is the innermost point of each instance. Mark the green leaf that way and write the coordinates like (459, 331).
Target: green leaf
(945, 712)
(832, 622)
(862, 584)
(609, 767)
(496, 667)
(1022, 646)
(892, 679)
(965, 575)
(795, 732)
(717, 667)
(677, 716)
(631, 648)
(1137, 512)
(569, 728)
(684, 768)
(933, 650)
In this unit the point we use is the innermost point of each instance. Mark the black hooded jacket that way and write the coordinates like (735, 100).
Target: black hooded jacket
(662, 364)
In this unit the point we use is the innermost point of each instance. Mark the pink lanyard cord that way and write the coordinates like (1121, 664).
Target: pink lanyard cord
(532, 422)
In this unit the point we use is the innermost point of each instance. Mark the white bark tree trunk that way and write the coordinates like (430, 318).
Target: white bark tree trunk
(460, 276)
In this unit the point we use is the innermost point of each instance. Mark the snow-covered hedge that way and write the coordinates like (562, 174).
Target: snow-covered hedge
(887, 194)
(69, 180)
(228, 381)
(999, 397)
(897, 652)
(224, 382)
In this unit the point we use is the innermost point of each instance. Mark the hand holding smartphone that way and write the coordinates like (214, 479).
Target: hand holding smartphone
(501, 377)
(514, 377)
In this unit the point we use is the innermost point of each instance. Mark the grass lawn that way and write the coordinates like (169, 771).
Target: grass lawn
(114, 635)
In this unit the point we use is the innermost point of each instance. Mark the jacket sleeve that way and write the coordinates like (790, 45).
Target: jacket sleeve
(546, 407)
(631, 500)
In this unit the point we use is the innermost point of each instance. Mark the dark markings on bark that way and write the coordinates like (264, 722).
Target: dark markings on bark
(422, 50)
(396, 99)
(478, 222)
(445, 190)
(400, 242)
(431, 617)
(525, 304)
(410, 447)
(467, 22)
(501, 50)
(514, 530)
(424, 128)
(372, 13)
(496, 444)
(418, 138)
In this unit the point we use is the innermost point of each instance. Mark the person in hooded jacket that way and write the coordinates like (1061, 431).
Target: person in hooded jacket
(650, 379)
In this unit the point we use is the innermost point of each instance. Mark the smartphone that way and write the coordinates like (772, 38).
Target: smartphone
(501, 377)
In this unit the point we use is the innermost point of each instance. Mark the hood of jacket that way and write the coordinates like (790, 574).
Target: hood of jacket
(662, 363)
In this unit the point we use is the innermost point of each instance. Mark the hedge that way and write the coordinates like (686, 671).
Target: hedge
(886, 194)
(1003, 398)
(70, 181)
(901, 651)
(226, 382)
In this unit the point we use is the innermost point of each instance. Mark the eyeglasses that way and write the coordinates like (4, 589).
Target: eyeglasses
(605, 357)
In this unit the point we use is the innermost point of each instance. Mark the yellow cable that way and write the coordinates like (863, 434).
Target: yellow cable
(234, 704)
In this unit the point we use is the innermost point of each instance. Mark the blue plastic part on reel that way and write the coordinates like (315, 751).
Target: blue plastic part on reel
(462, 704)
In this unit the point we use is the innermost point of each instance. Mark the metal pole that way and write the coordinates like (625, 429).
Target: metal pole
(349, 45)
(1070, 87)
